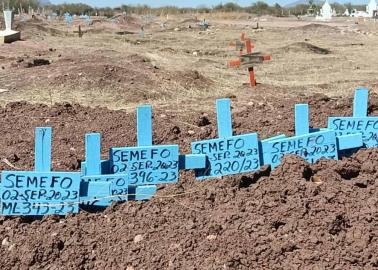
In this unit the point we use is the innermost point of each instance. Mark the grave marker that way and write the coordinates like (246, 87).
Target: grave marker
(228, 154)
(148, 164)
(41, 192)
(248, 60)
(311, 145)
(204, 25)
(68, 18)
(9, 35)
(99, 187)
(360, 122)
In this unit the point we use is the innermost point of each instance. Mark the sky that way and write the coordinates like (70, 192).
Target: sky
(155, 3)
(179, 3)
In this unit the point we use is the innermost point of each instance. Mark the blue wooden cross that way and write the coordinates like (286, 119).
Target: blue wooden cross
(68, 18)
(146, 164)
(227, 154)
(360, 122)
(42, 191)
(99, 187)
(310, 144)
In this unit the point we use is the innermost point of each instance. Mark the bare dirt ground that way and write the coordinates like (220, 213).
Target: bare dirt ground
(188, 66)
(298, 216)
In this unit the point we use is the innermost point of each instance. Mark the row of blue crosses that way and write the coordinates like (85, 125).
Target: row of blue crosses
(98, 180)
(270, 152)
(68, 18)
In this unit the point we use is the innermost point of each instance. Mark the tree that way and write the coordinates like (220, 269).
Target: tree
(16, 4)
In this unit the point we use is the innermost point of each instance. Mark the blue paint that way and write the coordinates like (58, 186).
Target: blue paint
(144, 125)
(102, 190)
(142, 165)
(229, 154)
(93, 153)
(68, 18)
(359, 123)
(22, 192)
(146, 165)
(349, 141)
(224, 118)
(236, 154)
(264, 154)
(145, 192)
(301, 119)
(95, 193)
(360, 105)
(311, 147)
(98, 187)
(104, 164)
(310, 144)
(41, 192)
(191, 162)
(367, 126)
(42, 155)
(142, 193)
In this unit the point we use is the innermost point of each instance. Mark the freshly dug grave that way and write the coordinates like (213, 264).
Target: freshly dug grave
(133, 78)
(298, 216)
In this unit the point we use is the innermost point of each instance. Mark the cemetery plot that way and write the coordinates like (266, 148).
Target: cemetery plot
(97, 188)
(100, 187)
(311, 146)
(146, 164)
(40, 192)
(233, 155)
(228, 214)
(229, 154)
(249, 59)
(149, 164)
(359, 122)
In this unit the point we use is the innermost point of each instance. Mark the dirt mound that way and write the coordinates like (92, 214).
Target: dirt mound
(305, 47)
(34, 28)
(130, 22)
(188, 22)
(315, 27)
(192, 79)
(36, 63)
(299, 216)
(284, 220)
(133, 77)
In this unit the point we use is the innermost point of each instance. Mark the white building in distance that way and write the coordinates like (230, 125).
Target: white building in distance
(371, 8)
(326, 12)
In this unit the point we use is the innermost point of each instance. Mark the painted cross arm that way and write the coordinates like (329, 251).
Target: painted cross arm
(191, 162)
(263, 145)
(249, 59)
(349, 141)
(360, 104)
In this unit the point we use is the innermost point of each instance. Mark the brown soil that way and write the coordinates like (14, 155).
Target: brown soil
(315, 27)
(125, 79)
(299, 216)
(305, 47)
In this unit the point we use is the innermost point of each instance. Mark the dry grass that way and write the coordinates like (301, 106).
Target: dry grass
(350, 63)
